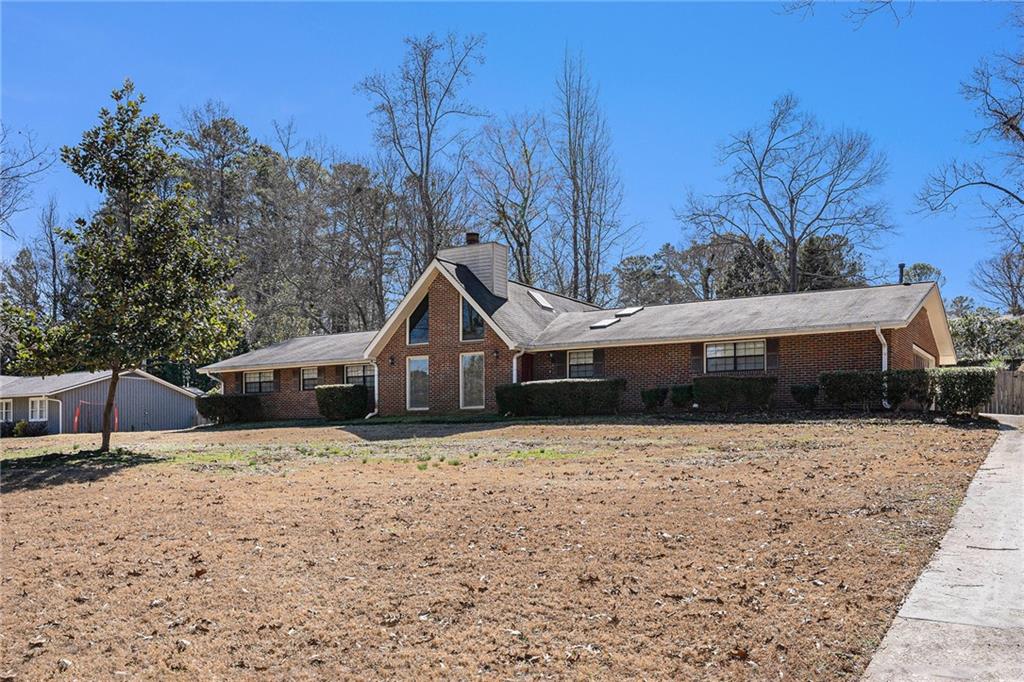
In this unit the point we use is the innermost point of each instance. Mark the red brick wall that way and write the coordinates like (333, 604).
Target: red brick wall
(443, 350)
(801, 359)
(919, 332)
(288, 401)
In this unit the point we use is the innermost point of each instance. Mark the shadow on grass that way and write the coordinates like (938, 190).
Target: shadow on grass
(44, 471)
(421, 426)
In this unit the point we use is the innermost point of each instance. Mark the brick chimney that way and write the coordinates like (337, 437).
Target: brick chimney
(487, 260)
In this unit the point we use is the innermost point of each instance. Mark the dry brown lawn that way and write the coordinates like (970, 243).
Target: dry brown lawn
(589, 550)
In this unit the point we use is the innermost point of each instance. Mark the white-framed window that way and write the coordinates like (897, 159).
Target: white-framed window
(38, 409)
(471, 327)
(417, 327)
(417, 383)
(471, 381)
(258, 382)
(922, 358)
(734, 356)
(363, 375)
(310, 377)
(580, 364)
(6, 410)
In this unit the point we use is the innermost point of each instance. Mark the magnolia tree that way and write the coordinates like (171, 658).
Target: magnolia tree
(154, 276)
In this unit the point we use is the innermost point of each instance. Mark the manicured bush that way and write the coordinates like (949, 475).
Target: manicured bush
(561, 397)
(962, 389)
(24, 429)
(852, 388)
(805, 395)
(682, 396)
(724, 394)
(653, 398)
(6, 429)
(230, 409)
(907, 384)
(343, 401)
(512, 399)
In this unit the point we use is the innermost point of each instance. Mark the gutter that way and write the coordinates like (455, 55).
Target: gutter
(515, 366)
(885, 364)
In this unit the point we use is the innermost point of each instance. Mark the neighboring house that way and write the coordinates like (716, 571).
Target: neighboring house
(73, 403)
(465, 328)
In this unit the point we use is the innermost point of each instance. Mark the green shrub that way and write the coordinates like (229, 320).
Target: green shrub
(682, 396)
(561, 397)
(805, 395)
(512, 399)
(724, 394)
(6, 429)
(852, 388)
(653, 398)
(23, 429)
(343, 401)
(907, 384)
(962, 389)
(230, 409)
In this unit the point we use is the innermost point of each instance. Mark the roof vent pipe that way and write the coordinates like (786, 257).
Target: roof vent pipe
(472, 238)
(903, 266)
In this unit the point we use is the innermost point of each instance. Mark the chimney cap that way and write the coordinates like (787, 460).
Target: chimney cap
(472, 238)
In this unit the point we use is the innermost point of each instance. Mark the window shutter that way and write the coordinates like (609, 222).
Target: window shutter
(599, 362)
(277, 380)
(696, 358)
(558, 360)
(771, 354)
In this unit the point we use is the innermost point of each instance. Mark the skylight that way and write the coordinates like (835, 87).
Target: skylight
(540, 300)
(626, 312)
(605, 323)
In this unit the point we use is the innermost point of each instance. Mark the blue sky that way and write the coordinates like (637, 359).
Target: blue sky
(675, 80)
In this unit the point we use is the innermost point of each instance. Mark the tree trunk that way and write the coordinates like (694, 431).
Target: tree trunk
(108, 409)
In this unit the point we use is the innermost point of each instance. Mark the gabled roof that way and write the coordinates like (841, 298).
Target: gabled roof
(836, 310)
(519, 316)
(31, 387)
(304, 351)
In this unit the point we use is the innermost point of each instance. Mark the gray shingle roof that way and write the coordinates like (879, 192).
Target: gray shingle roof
(329, 349)
(22, 387)
(808, 312)
(519, 316)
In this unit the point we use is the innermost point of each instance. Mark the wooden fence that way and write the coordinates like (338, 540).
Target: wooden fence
(1009, 394)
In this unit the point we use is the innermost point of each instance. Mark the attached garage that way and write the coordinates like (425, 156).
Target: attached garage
(73, 403)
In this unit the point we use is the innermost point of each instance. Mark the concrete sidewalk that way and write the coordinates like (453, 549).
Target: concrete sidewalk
(964, 617)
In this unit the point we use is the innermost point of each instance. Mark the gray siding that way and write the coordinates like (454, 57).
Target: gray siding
(142, 405)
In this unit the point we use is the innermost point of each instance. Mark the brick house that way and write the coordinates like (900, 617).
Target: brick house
(464, 328)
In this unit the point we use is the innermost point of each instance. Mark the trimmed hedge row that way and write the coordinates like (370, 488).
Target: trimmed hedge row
(805, 395)
(653, 398)
(22, 429)
(952, 389)
(230, 409)
(560, 397)
(343, 401)
(725, 394)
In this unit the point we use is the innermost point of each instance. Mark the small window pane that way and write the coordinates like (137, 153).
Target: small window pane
(258, 382)
(743, 356)
(472, 323)
(419, 322)
(581, 364)
(310, 378)
(473, 380)
(37, 409)
(6, 411)
(419, 383)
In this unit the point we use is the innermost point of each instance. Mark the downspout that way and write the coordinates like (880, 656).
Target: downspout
(885, 364)
(515, 366)
(60, 413)
(376, 391)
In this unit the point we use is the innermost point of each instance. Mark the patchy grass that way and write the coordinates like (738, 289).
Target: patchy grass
(568, 549)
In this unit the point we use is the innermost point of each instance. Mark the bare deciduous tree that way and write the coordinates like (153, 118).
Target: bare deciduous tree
(858, 12)
(1001, 280)
(512, 181)
(22, 162)
(588, 195)
(791, 180)
(421, 117)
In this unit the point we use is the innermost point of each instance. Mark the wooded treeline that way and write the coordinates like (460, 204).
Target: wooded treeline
(327, 242)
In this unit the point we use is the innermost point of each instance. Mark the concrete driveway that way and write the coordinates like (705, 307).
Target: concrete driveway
(964, 617)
